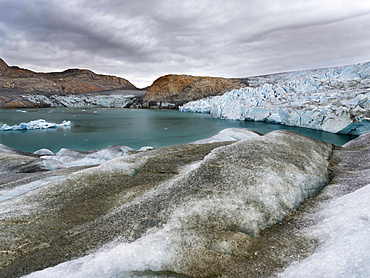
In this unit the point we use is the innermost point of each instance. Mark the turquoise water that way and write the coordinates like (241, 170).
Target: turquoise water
(93, 129)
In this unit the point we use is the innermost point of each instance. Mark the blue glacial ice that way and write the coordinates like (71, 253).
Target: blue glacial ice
(336, 100)
(37, 124)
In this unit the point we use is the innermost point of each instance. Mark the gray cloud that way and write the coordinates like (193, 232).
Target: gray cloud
(144, 39)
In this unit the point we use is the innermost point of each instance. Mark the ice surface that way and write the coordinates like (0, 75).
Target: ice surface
(344, 230)
(228, 134)
(118, 261)
(215, 206)
(336, 100)
(37, 124)
(145, 148)
(44, 152)
(72, 158)
(9, 193)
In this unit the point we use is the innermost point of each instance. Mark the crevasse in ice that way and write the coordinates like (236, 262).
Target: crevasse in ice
(335, 100)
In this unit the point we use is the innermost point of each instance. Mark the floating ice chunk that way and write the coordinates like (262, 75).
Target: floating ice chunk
(37, 124)
(229, 134)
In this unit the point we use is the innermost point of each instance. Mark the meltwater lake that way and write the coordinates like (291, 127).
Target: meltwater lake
(93, 129)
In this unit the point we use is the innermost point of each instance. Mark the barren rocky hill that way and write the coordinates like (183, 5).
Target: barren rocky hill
(15, 81)
(170, 91)
(19, 86)
(69, 81)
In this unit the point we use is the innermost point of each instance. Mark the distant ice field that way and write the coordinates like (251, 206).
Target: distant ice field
(93, 129)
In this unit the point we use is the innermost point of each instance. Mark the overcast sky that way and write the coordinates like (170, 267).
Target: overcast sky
(141, 40)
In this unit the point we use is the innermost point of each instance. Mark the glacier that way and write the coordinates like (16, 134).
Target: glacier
(224, 209)
(37, 124)
(335, 100)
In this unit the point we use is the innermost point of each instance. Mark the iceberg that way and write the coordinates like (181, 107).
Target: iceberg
(335, 100)
(37, 124)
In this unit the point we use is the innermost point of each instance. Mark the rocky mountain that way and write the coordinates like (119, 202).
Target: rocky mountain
(22, 88)
(69, 81)
(172, 90)
(15, 81)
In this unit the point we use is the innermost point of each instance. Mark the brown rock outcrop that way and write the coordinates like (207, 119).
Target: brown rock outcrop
(71, 81)
(171, 91)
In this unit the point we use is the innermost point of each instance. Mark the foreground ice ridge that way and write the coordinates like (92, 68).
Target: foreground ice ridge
(336, 100)
(197, 210)
(37, 124)
(198, 221)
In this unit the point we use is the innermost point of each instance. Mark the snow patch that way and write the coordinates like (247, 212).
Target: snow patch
(345, 232)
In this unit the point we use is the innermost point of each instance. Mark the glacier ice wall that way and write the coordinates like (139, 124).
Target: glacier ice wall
(336, 100)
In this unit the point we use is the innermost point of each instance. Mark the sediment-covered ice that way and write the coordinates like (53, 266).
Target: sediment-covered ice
(37, 124)
(208, 213)
(8, 193)
(198, 210)
(336, 100)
